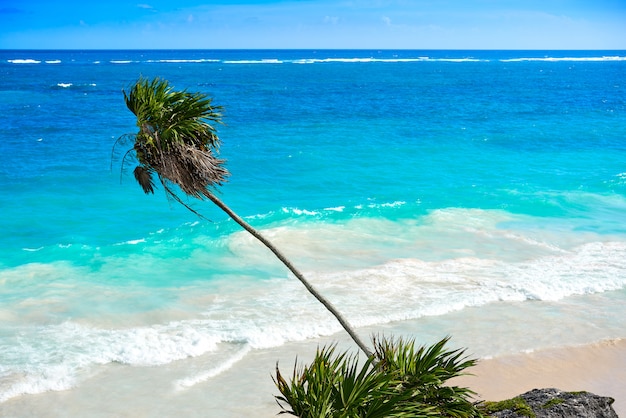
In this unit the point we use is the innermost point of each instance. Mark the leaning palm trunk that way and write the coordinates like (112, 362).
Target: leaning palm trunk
(175, 143)
(256, 234)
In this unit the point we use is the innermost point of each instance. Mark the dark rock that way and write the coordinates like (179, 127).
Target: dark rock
(554, 403)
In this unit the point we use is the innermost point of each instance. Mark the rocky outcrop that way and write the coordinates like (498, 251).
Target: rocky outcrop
(553, 403)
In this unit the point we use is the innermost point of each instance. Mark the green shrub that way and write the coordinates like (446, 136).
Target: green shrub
(398, 380)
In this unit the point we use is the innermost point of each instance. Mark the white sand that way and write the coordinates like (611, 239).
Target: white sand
(598, 368)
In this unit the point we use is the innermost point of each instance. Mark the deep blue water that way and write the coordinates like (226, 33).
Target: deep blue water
(497, 175)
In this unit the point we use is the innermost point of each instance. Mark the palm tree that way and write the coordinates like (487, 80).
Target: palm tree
(177, 144)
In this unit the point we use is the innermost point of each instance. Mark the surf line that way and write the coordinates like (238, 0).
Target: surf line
(182, 384)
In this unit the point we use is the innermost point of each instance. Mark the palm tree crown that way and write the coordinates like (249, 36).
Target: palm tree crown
(176, 141)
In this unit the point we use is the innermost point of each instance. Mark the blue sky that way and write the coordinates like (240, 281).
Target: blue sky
(367, 24)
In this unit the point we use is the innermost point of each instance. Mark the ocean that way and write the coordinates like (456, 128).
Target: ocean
(476, 194)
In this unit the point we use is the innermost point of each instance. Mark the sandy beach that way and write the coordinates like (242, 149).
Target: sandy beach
(599, 368)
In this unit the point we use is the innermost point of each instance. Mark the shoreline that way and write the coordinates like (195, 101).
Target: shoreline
(599, 368)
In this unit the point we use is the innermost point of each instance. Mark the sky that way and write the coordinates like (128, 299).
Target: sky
(313, 24)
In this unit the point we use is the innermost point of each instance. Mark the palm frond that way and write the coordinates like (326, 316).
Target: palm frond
(177, 140)
(173, 195)
(399, 380)
(126, 140)
(144, 178)
(178, 116)
(424, 371)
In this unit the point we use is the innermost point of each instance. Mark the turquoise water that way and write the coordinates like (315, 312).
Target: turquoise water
(407, 185)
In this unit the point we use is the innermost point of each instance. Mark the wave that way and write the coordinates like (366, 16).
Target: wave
(261, 61)
(573, 59)
(14, 384)
(24, 61)
(300, 212)
(57, 354)
(214, 371)
(167, 301)
(270, 60)
(184, 61)
(254, 315)
(33, 61)
(32, 249)
(287, 214)
(72, 86)
(341, 208)
(133, 242)
(357, 60)
(350, 60)
(426, 288)
(459, 60)
(347, 59)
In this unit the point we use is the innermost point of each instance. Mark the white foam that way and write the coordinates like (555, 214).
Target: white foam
(297, 211)
(52, 357)
(348, 60)
(263, 61)
(573, 59)
(375, 270)
(64, 85)
(393, 204)
(383, 60)
(149, 346)
(406, 288)
(53, 61)
(458, 60)
(316, 212)
(183, 61)
(24, 61)
(452, 60)
(33, 249)
(133, 242)
(305, 61)
(55, 378)
(215, 371)
(452, 259)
